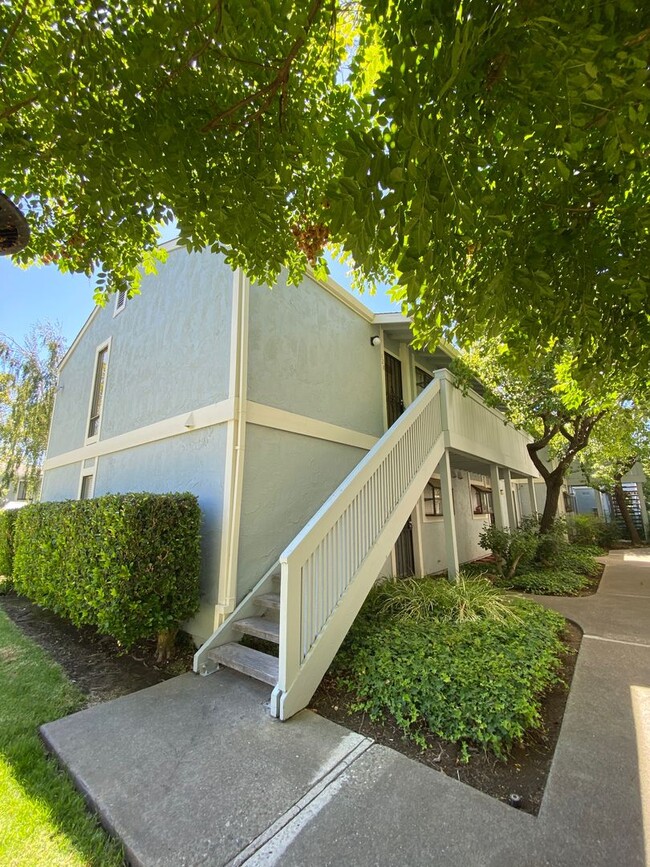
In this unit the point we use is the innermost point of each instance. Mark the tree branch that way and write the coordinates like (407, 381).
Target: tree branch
(268, 91)
(17, 106)
(12, 30)
(539, 464)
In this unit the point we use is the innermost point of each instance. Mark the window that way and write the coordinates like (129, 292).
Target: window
(433, 499)
(21, 493)
(482, 501)
(120, 302)
(98, 392)
(422, 379)
(86, 490)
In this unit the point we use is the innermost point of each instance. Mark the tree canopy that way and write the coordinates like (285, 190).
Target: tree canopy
(548, 402)
(489, 159)
(28, 377)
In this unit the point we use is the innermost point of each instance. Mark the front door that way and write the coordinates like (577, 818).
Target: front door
(394, 394)
(404, 556)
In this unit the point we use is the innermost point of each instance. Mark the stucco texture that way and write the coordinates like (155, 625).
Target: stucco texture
(310, 354)
(287, 477)
(169, 352)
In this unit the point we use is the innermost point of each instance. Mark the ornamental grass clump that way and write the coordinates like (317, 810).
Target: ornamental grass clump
(468, 598)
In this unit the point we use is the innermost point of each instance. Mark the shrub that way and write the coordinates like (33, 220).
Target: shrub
(548, 582)
(430, 598)
(512, 549)
(126, 564)
(7, 524)
(592, 531)
(479, 681)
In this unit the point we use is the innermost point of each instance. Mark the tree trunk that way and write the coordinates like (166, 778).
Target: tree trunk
(553, 490)
(619, 493)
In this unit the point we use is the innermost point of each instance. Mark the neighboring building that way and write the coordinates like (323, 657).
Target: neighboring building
(16, 496)
(590, 500)
(283, 411)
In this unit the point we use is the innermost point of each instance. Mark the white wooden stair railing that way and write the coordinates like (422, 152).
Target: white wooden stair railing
(330, 567)
(327, 571)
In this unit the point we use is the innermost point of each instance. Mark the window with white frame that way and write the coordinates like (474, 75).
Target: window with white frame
(482, 501)
(87, 486)
(21, 492)
(422, 379)
(120, 301)
(433, 499)
(99, 385)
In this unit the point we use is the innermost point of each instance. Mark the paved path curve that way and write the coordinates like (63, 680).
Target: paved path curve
(194, 772)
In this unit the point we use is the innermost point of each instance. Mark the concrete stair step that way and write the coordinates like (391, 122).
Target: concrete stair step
(255, 664)
(269, 600)
(260, 627)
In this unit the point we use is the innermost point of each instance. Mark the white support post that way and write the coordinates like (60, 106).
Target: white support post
(510, 506)
(532, 496)
(451, 547)
(496, 497)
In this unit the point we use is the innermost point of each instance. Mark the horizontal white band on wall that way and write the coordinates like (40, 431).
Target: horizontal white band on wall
(270, 416)
(209, 416)
(205, 416)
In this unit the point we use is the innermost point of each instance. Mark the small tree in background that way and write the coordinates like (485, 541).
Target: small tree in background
(547, 401)
(28, 377)
(620, 441)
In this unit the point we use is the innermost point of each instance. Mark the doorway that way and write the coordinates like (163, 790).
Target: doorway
(404, 555)
(394, 393)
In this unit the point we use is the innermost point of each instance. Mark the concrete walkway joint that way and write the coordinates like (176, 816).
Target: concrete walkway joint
(194, 772)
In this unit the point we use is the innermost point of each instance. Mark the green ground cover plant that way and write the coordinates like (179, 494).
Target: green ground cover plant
(477, 679)
(549, 582)
(127, 564)
(44, 820)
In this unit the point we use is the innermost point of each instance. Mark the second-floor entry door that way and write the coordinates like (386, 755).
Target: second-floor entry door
(394, 393)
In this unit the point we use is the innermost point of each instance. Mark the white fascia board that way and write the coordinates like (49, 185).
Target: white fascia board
(74, 343)
(342, 295)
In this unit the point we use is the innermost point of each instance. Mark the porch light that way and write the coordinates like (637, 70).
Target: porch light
(375, 340)
(14, 229)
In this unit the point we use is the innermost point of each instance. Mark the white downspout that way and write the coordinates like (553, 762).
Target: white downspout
(235, 449)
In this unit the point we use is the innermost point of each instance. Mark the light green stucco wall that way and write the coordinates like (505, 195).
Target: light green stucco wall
(287, 477)
(310, 354)
(169, 352)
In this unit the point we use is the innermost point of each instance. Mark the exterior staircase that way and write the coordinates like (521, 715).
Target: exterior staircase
(264, 625)
(307, 601)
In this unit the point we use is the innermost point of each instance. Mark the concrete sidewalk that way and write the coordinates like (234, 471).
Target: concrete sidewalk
(194, 771)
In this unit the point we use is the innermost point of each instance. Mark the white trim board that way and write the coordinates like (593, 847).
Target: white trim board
(280, 419)
(206, 416)
(215, 414)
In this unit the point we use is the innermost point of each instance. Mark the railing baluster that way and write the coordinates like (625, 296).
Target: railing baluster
(335, 559)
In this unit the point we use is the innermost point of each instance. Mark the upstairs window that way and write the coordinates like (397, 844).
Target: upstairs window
(101, 368)
(422, 379)
(433, 499)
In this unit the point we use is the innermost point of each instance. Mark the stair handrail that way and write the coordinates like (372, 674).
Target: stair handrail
(376, 485)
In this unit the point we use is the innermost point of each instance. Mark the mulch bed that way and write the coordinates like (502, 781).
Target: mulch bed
(523, 774)
(104, 671)
(95, 663)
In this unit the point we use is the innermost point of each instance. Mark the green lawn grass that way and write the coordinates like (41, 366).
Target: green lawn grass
(43, 819)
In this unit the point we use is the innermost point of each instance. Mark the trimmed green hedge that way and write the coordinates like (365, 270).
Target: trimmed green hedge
(7, 524)
(127, 564)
